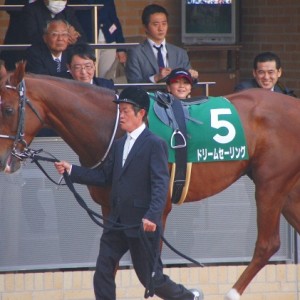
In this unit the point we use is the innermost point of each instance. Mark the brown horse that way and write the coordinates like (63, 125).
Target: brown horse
(84, 116)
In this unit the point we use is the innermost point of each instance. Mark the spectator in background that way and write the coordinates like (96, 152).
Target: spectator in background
(179, 83)
(49, 57)
(109, 31)
(154, 59)
(81, 65)
(14, 35)
(36, 16)
(266, 72)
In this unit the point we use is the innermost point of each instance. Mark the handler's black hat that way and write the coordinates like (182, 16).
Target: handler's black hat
(135, 96)
(177, 74)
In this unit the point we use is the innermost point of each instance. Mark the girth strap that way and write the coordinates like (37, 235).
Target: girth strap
(178, 142)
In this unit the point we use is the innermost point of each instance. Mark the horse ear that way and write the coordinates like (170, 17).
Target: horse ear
(18, 74)
(3, 72)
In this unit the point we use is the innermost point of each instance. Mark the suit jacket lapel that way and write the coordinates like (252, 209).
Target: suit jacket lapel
(171, 57)
(148, 52)
(63, 61)
(135, 148)
(49, 62)
(119, 155)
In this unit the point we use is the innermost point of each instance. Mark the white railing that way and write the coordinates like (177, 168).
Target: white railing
(95, 45)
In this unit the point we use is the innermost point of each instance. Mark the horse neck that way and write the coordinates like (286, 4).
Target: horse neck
(83, 116)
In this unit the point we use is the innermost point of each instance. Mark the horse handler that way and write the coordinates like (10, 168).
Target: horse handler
(137, 170)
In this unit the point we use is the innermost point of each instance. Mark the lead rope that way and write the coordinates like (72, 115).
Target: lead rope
(152, 255)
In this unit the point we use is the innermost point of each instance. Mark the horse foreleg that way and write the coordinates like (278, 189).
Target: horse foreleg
(291, 208)
(268, 241)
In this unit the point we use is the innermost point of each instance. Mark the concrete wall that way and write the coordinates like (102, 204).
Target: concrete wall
(275, 282)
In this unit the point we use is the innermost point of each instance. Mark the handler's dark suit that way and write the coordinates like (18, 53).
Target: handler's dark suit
(139, 190)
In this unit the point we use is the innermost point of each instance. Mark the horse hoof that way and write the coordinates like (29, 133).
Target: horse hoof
(198, 294)
(232, 295)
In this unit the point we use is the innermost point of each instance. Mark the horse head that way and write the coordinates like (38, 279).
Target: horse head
(30, 102)
(11, 119)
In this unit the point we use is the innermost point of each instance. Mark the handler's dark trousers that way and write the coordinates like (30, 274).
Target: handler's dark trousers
(113, 245)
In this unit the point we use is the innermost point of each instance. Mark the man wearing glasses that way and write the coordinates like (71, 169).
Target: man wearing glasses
(49, 57)
(81, 63)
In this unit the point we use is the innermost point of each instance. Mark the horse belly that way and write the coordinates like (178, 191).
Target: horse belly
(208, 179)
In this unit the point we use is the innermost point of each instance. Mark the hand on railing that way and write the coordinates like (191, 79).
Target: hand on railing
(194, 73)
(73, 35)
(122, 56)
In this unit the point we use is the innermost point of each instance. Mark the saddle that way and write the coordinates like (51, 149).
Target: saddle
(174, 113)
(163, 108)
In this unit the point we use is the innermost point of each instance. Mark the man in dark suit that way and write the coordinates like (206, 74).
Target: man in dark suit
(154, 59)
(137, 170)
(36, 16)
(81, 66)
(266, 73)
(109, 30)
(49, 57)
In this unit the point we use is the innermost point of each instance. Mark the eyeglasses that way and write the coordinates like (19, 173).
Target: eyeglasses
(55, 34)
(87, 67)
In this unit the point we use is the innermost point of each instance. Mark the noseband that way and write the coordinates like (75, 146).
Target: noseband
(19, 137)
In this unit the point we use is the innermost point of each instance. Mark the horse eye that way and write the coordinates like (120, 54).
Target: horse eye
(8, 111)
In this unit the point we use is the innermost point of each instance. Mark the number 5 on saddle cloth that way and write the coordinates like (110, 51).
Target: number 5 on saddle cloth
(197, 130)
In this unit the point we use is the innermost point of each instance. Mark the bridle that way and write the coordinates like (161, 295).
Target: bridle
(19, 138)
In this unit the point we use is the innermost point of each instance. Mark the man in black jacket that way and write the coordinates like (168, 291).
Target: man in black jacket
(137, 170)
(49, 57)
(266, 72)
(81, 63)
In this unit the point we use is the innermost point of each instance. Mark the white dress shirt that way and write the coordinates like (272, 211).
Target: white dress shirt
(131, 138)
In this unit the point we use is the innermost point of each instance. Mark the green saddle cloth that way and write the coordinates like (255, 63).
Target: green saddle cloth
(218, 137)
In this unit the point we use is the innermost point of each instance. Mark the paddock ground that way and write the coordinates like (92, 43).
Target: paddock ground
(274, 282)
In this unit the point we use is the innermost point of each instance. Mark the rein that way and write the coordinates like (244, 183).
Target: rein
(33, 155)
(19, 137)
(151, 255)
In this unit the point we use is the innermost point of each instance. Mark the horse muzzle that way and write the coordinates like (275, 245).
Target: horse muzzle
(9, 164)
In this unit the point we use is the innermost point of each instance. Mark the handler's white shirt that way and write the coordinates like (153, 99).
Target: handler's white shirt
(131, 138)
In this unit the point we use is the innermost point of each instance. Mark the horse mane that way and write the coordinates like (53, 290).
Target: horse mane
(65, 83)
(15, 77)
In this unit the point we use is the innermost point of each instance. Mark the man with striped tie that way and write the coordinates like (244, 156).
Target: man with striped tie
(155, 58)
(49, 57)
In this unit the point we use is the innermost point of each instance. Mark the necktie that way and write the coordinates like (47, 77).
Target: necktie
(127, 147)
(160, 59)
(58, 65)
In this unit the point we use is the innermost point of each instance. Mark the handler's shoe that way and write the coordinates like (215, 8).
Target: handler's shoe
(198, 294)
